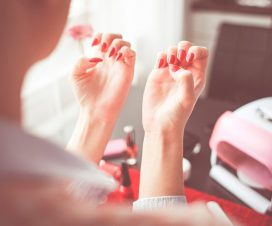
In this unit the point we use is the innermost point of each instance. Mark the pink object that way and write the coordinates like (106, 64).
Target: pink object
(111, 169)
(79, 32)
(245, 147)
(115, 147)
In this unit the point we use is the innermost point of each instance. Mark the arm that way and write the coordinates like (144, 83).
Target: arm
(101, 85)
(161, 169)
(90, 137)
(170, 95)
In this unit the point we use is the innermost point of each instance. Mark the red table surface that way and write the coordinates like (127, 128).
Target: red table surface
(240, 213)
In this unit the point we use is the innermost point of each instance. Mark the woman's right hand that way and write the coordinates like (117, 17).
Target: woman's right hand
(101, 82)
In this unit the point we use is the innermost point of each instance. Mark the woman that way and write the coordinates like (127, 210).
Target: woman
(35, 175)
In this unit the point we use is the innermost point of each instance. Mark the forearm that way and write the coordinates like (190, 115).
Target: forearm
(161, 169)
(90, 137)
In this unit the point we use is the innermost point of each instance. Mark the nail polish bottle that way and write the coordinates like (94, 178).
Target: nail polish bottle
(112, 169)
(131, 146)
(125, 190)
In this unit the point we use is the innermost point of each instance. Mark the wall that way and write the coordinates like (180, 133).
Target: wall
(204, 26)
(49, 107)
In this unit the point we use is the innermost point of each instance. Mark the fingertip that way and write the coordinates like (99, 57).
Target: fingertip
(174, 67)
(161, 60)
(184, 45)
(95, 42)
(181, 55)
(171, 55)
(127, 52)
(107, 40)
(96, 39)
(199, 52)
(95, 60)
(190, 58)
(84, 64)
(119, 56)
(160, 63)
(104, 47)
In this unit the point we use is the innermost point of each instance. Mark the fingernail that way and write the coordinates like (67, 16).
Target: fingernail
(171, 59)
(95, 42)
(104, 46)
(95, 60)
(174, 68)
(161, 63)
(112, 52)
(119, 56)
(181, 55)
(190, 58)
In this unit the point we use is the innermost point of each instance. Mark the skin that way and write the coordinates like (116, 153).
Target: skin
(101, 89)
(30, 31)
(170, 94)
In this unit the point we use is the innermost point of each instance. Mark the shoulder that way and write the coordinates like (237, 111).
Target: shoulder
(25, 154)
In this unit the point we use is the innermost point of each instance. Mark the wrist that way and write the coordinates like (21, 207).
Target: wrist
(169, 143)
(90, 136)
(96, 117)
(161, 169)
(170, 129)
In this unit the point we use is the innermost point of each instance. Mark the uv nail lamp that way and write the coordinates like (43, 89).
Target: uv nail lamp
(241, 158)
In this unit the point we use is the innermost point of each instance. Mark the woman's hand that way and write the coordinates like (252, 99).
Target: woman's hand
(170, 94)
(173, 87)
(101, 84)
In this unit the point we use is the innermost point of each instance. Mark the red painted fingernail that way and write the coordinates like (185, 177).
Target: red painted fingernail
(181, 55)
(95, 60)
(174, 68)
(104, 46)
(171, 59)
(119, 56)
(95, 42)
(190, 58)
(161, 63)
(112, 52)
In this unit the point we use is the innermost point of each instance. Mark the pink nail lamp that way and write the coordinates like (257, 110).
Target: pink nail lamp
(244, 145)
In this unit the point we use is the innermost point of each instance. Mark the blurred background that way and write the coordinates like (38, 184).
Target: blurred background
(237, 32)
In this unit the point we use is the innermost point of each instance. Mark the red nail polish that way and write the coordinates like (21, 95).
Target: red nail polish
(104, 46)
(172, 59)
(161, 63)
(190, 57)
(181, 55)
(95, 60)
(119, 56)
(95, 42)
(112, 52)
(125, 189)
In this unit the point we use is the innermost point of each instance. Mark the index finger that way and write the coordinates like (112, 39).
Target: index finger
(199, 52)
(107, 39)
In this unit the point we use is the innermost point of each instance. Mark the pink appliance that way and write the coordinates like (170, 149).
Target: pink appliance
(242, 140)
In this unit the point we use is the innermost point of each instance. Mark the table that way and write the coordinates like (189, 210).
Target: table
(201, 122)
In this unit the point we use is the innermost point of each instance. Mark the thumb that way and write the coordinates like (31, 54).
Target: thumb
(84, 64)
(186, 82)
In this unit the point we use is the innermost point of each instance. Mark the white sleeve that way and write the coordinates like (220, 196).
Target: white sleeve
(159, 203)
